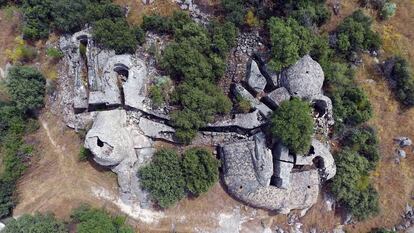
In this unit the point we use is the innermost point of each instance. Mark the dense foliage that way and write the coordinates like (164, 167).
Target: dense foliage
(351, 105)
(164, 178)
(91, 220)
(44, 223)
(363, 140)
(306, 12)
(235, 11)
(402, 77)
(289, 41)
(200, 170)
(352, 187)
(354, 35)
(195, 59)
(169, 176)
(109, 26)
(292, 123)
(26, 87)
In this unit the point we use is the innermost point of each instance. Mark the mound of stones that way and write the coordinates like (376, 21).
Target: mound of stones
(111, 90)
(265, 174)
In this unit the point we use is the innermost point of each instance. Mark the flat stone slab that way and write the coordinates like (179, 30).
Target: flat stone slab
(247, 121)
(156, 130)
(255, 79)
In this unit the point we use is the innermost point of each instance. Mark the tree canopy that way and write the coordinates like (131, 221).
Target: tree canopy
(44, 223)
(292, 124)
(26, 87)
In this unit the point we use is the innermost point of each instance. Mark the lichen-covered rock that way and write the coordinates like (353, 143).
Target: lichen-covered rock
(276, 97)
(323, 105)
(156, 130)
(246, 121)
(255, 103)
(304, 79)
(283, 164)
(262, 166)
(255, 79)
(241, 181)
(321, 157)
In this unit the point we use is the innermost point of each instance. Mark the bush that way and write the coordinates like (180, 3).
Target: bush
(26, 87)
(403, 78)
(289, 42)
(388, 10)
(22, 52)
(355, 34)
(235, 11)
(84, 154)
(116, 35)
(68, 15)
(44, 223)
(351, 185)
(163, 178)
(243, 105)
(200, 170)
(364, 141)
(156, 23)
(54, 53)
(91, 220)
(292, 124)
(351, 106)
(196, 60)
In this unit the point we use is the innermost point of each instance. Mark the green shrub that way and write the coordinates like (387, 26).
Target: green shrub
(292, 124)
(388, 10)
(84, 154)
(156, 23)
(355, 34)
(381, 230)
(91, 220)
(235, 11)
(156, 96)
(289, 41)
(116, 35)
(200, 170)
(402, 76)
(163, 178)
(351, 106)
(68, 15)
(196, 60)
(26, 87)
(307, 13)
(44, 223)
(54, 53)
(243, 105)
(364, 141)
(351, 185)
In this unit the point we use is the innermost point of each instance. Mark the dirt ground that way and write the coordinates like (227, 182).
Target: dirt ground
(57, 182)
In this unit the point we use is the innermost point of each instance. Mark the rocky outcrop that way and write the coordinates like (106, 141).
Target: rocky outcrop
(246, 121)
(304, 79)
(276, 97)
(120, 146)
(241, 179)
(255, 103)
(156, 130)
(255, 79)
(283, 163)
(321, 157)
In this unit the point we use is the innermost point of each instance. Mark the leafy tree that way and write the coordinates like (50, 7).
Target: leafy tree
(402, 76)
(364, 141)
(235, 11)
(355, 34)
(200, 170)
(68, 15)
(306, 12)
(289, 42)
(292, 124)
(351, 185)
(44, 223)
(37, 15)
(116, 35)
(157, 23)
(26, 87)
(91, 220)
(163, 178)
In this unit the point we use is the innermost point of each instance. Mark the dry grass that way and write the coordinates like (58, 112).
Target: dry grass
(138, 9)
(56, 181)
